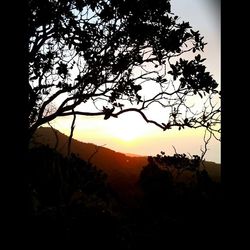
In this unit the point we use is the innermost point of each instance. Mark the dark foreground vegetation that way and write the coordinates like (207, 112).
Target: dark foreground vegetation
(71, 202)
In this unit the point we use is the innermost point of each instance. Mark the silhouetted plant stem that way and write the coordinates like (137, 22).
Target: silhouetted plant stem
(55, 133)
(95, 152)
(71, 131)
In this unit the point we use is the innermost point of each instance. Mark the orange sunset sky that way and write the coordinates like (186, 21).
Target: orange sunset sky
(130, 133)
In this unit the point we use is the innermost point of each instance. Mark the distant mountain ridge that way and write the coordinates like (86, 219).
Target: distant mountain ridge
(123, 169)
(133, 155)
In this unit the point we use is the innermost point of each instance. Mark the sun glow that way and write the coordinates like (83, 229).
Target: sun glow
(124, 135)
(127, 128)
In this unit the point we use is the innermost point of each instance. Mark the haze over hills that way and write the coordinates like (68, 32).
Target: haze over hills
(122, 169)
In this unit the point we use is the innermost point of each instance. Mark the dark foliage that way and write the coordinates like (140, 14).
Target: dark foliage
(56, 179)
(156, 182)
(71, 203)
(105, 52)
(177, 177)
(181, 200)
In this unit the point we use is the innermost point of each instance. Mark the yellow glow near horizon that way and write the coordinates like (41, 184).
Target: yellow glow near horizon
(130, 134)
(124, 135)
(127, 128)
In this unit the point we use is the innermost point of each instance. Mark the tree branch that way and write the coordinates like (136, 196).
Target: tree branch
(95, 152)
(116, 115)
(71, 131)
(204, 151)
(56, 135)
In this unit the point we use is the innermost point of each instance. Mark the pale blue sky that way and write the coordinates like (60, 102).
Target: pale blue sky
(204, 15)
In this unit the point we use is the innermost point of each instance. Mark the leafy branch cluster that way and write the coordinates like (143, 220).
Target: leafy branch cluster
(106, 52)
(178, 162)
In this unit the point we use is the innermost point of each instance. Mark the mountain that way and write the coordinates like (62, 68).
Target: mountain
(133, 155)
(122, 170)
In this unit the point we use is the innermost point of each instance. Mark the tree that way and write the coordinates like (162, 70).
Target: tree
(106, 53)
(177, 177)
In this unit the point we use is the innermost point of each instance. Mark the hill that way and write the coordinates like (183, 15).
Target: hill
(122, 170)
(214, 170)
(140, 217)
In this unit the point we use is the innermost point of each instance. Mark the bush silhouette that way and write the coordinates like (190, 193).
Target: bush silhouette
(71, 200)
(176, 177)
(56, 179)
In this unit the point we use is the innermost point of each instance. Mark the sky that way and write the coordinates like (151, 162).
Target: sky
(130, 133)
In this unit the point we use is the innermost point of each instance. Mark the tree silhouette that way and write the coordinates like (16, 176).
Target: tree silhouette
(177, 176)
(70, 199)
(59, 180)
(112, 54)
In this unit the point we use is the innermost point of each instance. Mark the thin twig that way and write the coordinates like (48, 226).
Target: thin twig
(95, 152)
(71, 131)
(175, 150)
(56, 135)
(204, 151)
